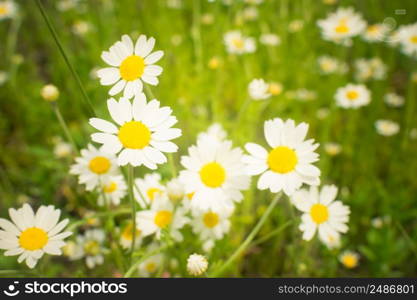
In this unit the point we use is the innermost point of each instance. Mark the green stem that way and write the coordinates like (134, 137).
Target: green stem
(132, 203)
(64, 55)
(64, 126)
(249, 239)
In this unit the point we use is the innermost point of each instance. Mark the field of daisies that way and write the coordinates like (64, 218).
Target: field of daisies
(222, 138)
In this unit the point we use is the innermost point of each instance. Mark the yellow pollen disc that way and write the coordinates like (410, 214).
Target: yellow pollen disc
(342, 27)
(190, 196)
(274, 89)
(349, 261)
(92, 247)
(33, 238)
(3, 10)
(238, 43)
(134, 135)
(152, 193)
(319, 213)
(373, 29)
(282, 159)
(127, 233)
(210, 219)
(110, 188)
(213, 174)
(163, 218)
(150, 267)
(413, 39)
(99, 165)
(352, 95)
(132, 68)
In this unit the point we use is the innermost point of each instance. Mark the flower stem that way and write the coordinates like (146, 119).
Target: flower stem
(64, 55)
(64, 127)
(132, 203)
(249, 239)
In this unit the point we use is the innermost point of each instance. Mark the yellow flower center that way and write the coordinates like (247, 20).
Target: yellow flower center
(342, 27)
(150, 267)
(92, 248)
(163, 218)
(3, 10)
(282, 159)
(275, 89)
(349, 261)
(134, 135)
(33, 238)
(210, 219)
(110, 188)
(132, 68)
(319, 213)
(190, 196)
(213, 174)
(238, 43)
(373, 29)
(127, 233)
(352, 95)
(413, 39)
(152, 193)
(99, 165)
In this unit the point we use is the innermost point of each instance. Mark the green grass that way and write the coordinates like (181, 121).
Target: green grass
(378, 174)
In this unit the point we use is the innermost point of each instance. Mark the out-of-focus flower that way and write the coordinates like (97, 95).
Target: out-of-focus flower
(387, 127)
(8, 9)
(214, 63)
(331, 65)
(148, 188)
(113, 190)
(196, 264)
(367, 69)
(349, 259)
(269, 39)
(295, 25)
(81, 27)
(175, 190)
(50, 92)
(92, 247)
(152, 264)
(250, 13)
(62, 149)
(376, 33)
(258, 89)
(3, 77)
(407, 36)
(332, 149)
(394, 100)
(126, 236)
(207, 19)
(237, 43)
(275, 88)
(352, 96)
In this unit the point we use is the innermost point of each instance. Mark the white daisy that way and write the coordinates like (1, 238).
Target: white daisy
(197, 264)
(144, 131)
(152, 264)
(8, 9)
(394, 100)
(175, 190)
(387, 127)
(321, 213)
(216, 131)
(373, 68)
(149, 187)
(330, 65)
(114, 189)
(342, 25)
(214, 174)
(269, 39)
(407, 37)
(349, 259)
(332, 148)
(258, 89)
(210, 226)
(352, 96)
(126, 236)
(162, 215)
(92, 166)
(289, 163)
(376, 32)
(237, 43)
(130, 65)
(31, 235)
(92, 247)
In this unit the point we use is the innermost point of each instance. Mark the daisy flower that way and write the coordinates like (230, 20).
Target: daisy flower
(387, 127)
(130, 65)
(33, 234)
(210, 226)
(269, 39)
(394, 100)
(196, 264)
(92, 166)
(215, 131)
(372, 68)
(152, 264)
(349, 259)
(332, 149)
(321, 213)
(149, 187)
(126, 236)
(175, 190)
(7, 9)
(376, 32)
(342, 25)
(352, 96)
(214, 174)
(407, 37)
(142, 133)
(114, 189)
(258, 89)
(289, 163)
(236, 43)
(92, 247)
(330, 65)
(162, 215)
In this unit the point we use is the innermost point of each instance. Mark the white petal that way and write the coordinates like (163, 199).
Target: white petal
(154, 57)
(117, 88)
(103, 125)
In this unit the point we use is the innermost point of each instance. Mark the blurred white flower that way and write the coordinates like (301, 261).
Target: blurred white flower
(394, 100)
(270, 39)
(237, 43)
(258, 89)
(349, 259)
(352, 96)
(376, 32)
(387, 127)
(407, 37)
(372, 68)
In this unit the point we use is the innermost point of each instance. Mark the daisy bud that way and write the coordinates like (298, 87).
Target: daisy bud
(196, 264)
(175, 190)
(50, 93)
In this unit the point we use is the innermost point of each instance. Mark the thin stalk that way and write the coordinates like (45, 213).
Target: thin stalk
(64, 126)
(132, 203)
(249, 239)
(64, 55)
